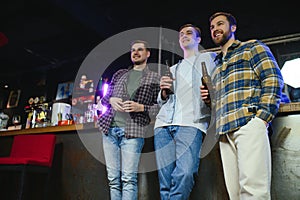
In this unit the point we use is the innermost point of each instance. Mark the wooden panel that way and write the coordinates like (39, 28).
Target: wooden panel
(49, 129)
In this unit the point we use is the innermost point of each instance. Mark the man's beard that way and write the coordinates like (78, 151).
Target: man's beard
(139, 62)
(225, 37)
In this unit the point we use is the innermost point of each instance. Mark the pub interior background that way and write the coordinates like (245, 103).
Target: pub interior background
(44, 81)
(48, 40)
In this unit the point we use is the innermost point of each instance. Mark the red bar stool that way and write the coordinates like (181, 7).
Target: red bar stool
(30, 154)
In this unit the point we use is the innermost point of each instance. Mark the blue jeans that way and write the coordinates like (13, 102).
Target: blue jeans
(122, 156)
(177, 150)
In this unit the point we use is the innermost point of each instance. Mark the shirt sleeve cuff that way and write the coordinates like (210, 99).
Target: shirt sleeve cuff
(264, 115)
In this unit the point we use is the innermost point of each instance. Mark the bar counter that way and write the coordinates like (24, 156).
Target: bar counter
(285, 143)
(81, 170)
(49, 129)
(77, 174)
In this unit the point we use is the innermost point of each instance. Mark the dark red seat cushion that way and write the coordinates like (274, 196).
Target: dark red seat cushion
(31, 149)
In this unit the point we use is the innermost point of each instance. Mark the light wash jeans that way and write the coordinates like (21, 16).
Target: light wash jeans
(122, 156)
(177, 150)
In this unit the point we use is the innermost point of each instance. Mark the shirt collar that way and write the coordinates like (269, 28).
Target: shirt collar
(234, 45)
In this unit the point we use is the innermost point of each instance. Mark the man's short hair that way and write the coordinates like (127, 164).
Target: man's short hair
(141, 41)
(198, 30)
(231, 19)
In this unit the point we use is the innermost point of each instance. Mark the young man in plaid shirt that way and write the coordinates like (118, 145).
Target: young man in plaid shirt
(131, 104)
(248, 85)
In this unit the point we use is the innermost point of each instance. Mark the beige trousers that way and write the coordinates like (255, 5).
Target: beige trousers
(246, 159)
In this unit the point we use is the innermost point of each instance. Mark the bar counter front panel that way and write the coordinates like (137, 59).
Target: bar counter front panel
(82, 173)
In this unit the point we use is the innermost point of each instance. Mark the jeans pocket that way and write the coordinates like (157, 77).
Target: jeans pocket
(260, 121)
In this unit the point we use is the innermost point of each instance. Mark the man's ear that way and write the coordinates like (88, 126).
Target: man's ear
(199, 40)
(233, 28)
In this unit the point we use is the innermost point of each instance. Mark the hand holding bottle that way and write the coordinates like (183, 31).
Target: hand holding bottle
(206, 85)
(166, 81)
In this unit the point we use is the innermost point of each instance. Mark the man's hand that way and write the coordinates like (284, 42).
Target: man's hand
(116, 103)
(165, 84)
(205, 94)
(131, 106)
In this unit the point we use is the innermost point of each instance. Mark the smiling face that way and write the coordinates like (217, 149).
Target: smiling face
(139, 54)
(221, 30)
(188, 38)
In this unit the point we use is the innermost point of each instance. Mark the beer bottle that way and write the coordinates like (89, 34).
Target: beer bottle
(206, 80)
(167, 72)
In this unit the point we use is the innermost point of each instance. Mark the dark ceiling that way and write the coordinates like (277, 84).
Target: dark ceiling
(45, 34)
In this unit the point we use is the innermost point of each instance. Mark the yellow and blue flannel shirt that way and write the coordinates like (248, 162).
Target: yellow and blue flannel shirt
(248, 83)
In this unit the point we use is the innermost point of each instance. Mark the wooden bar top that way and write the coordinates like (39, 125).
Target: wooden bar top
(289, 107)
(49, 129)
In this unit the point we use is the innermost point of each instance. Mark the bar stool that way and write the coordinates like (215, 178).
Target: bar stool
(30, 154)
